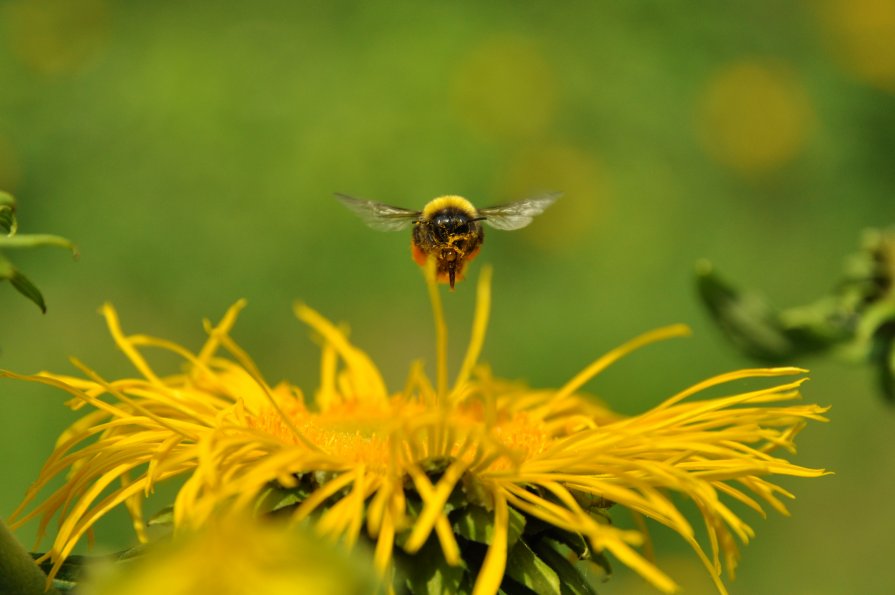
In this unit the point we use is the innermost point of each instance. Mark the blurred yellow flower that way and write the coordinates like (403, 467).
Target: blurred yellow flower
(482, 460)
(56, 36)
(239, 556)
(505, 89)
(755, 117)
(585, 185)
(862, 35)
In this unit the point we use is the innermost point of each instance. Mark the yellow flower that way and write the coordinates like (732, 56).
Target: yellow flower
(467, 470)
(239, 556)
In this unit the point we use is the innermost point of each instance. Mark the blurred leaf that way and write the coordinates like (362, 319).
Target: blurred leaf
(72, 571)
(78, 568)
(8, 272)
(857, 317)
(591, 502)
(574, 541)
(570, 578)
(428, 572)
(475, 492)
(758, 329)
(25, 287)
(525, 567)
(163, 518)
(885, 361)
(477, 524)
(750, 323)
(578, 545)
(8, 222)
(18, 572)
(276, 497)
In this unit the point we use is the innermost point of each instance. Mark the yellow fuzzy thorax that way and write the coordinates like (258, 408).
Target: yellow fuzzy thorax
(444, 202)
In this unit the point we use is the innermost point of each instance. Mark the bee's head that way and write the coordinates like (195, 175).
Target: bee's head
(452, 222)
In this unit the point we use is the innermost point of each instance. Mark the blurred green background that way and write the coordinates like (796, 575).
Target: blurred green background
(191, 150)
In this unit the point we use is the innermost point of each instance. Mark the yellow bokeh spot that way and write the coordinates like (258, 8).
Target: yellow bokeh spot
(55, 36)
(754, 117)
(505, 90)
(862, 34)
(575, 173)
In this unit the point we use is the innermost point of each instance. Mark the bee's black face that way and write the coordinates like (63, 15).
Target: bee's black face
(450, 223)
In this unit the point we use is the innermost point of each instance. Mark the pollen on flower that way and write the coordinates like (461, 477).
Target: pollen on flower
(521, 438)
(350, 432)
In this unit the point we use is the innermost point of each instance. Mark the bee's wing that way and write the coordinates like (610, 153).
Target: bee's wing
(515, 215)
(379, 215)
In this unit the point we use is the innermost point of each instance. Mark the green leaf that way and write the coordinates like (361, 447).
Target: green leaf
(427, 571)
(886, 362)
(525, 567)
(579, 546)
(574, 541)
(751, 324)
(765, 333)
(163, 518)
(591, 502)
(476, 493)
(413, 506)
(434, 467)
(474, 523)
(477, 524)
(276, 497)
(570, 578)
(139, 550)
(857, 317)
(27, 289)
(72, 570)
(8, 222)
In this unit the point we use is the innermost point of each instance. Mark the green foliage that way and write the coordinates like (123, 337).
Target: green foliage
(8, 272)
(8, 223)
(570, 578)
(855, 320)
(477, 524)
(428, 572)
(541, 558)
(18, 573)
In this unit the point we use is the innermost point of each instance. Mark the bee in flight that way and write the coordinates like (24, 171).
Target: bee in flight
(448, 229)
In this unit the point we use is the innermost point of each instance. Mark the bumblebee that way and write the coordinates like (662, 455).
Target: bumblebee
(449, 228)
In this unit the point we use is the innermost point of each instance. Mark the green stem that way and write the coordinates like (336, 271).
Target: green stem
(18, 572)
(37, 239)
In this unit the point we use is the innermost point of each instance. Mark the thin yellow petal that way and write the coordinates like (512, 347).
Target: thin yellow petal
(368, 382)
(223, 328)
(479, 326)
(434, 498)
(491, 573)
(440, 329)
(668, 332)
